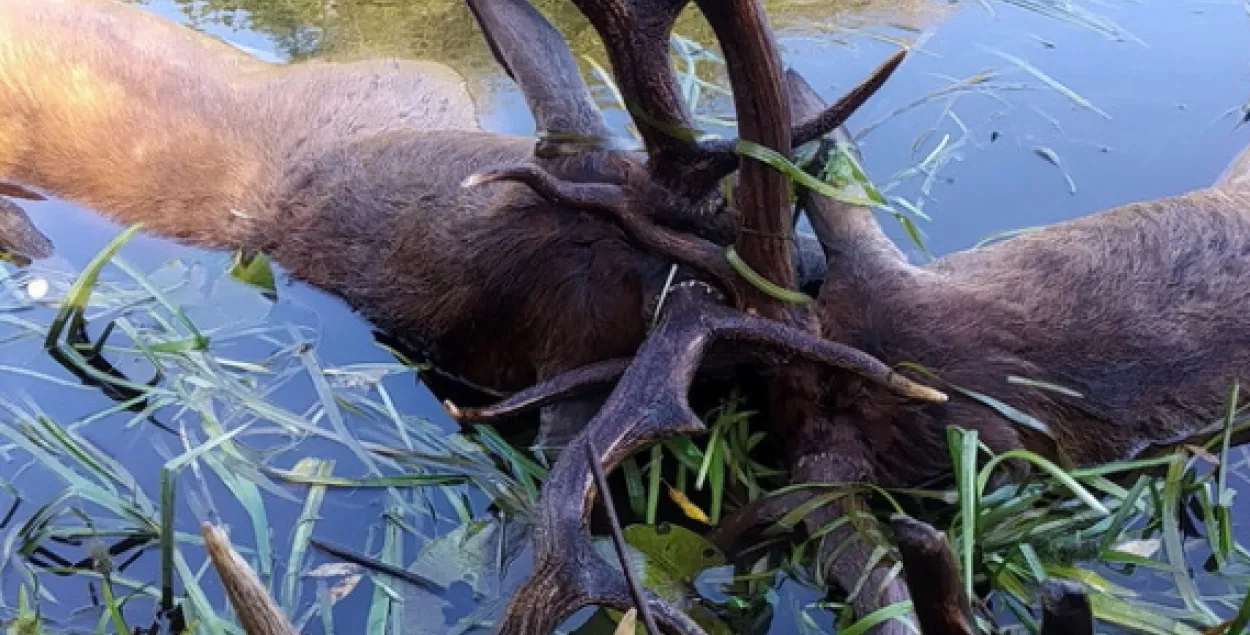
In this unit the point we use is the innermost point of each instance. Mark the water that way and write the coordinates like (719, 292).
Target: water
(1167, 95)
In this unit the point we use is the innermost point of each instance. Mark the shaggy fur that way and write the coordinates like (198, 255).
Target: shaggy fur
(1141, 309)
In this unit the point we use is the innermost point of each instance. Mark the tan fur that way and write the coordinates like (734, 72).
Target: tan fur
(347, 174)
(128, 113)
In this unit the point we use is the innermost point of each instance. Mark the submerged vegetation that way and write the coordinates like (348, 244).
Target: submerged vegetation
(222, 412)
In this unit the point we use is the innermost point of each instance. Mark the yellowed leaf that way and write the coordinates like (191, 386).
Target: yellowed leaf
(687, 506)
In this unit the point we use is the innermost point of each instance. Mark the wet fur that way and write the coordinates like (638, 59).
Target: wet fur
(348, 175)
(1141, 309)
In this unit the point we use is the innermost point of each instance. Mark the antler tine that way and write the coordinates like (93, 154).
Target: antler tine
(563, 386)
(647, 405)
(635, 34)
(534, 54)
(763, 112)
(721, 153)
(936, 589)
(258, 613)
(830, 118)
(610, 201)
(728, 324)
(1066, 609)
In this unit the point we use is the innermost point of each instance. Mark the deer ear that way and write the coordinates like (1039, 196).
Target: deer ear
(536, 57)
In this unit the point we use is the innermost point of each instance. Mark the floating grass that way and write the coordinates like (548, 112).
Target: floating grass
(1052, 157)
(1072, 13)
(1053, 83)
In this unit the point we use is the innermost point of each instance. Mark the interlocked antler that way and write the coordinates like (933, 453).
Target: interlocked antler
(683, 172)
(636, 35)
(648, 404)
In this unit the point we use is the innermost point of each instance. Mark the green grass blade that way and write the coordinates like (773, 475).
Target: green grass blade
(633, 486)
(762, 284)
(1051, 469)
(1173, 546)
(963, 446)
(303, 529)
(78, 295)
(654, 482)
(1050, 81)
(113, 608)
(898, 610)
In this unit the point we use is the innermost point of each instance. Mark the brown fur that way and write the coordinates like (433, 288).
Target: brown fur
(347, 174)
(1141, 309)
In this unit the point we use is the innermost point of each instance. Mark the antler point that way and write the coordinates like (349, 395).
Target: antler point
(452, 409)
(475, 180)
(926, 393)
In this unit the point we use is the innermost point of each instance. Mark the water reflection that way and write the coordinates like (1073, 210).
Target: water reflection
(444, 30)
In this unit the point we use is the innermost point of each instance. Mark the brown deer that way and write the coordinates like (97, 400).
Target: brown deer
(349, 176)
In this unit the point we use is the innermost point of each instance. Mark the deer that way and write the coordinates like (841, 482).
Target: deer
(349, 177)
(359, 179)
(579, 236)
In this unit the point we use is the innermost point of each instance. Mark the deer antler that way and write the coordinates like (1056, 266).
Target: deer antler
(649, 402)
(754, 68)
(636, 35)
(612, 203)
(814, 126)
(720, 323)
(685, 169)
(539, 62)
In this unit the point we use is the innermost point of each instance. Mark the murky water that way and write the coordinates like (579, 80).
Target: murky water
(1147, 106)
